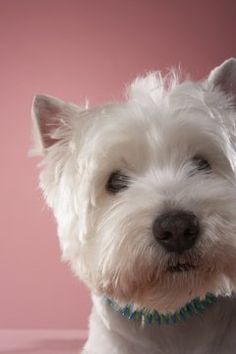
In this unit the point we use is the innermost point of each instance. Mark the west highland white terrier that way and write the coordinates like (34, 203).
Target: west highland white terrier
(144, 194)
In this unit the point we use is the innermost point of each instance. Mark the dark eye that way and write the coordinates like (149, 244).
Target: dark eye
(117, 182)
(201, 164)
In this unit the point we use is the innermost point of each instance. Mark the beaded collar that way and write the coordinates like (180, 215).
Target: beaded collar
(147, 317)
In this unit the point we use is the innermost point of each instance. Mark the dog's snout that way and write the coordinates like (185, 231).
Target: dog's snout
(176, 231)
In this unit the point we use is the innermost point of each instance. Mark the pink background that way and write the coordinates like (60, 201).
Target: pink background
(76, 49)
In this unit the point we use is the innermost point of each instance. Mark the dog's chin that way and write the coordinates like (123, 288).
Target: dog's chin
(177, 284)
(181, 283)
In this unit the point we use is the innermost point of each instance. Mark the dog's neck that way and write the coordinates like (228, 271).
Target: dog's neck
(150, 317)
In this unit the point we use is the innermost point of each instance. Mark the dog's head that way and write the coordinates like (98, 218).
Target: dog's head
(144, 191)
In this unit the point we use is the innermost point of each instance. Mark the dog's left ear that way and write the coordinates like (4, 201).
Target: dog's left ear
(224, 78)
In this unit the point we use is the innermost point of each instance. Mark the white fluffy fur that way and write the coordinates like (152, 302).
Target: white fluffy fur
(152, 137)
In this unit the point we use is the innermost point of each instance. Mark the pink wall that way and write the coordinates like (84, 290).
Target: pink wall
(76, 49)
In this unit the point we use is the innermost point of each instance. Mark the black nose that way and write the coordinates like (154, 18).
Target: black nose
(176, 231)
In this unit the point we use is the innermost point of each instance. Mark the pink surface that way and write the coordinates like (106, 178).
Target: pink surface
(76, 49)
(41, 342)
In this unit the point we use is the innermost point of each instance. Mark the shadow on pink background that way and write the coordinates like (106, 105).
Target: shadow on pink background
(75, 49)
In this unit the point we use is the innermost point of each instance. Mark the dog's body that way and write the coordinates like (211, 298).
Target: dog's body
(144, 193)
(210, 333)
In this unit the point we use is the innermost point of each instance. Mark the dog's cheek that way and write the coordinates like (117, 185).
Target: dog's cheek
(230, 267)
(69, 196)
(127, 277)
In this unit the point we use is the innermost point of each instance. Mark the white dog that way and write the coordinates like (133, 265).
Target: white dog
(144, 193)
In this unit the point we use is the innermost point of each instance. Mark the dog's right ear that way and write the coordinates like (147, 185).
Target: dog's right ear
(51, 121)
(224, 78)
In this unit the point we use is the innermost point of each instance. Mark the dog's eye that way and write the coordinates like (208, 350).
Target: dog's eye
(117, 182)
(201, 164)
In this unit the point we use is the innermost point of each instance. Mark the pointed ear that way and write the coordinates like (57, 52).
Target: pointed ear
(49, 115)
(224, 77)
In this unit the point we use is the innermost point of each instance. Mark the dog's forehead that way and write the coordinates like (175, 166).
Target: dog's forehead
(153, 125)
(177, 124)
(140, 135)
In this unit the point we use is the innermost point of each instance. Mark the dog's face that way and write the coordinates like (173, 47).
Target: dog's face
(144, 191)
